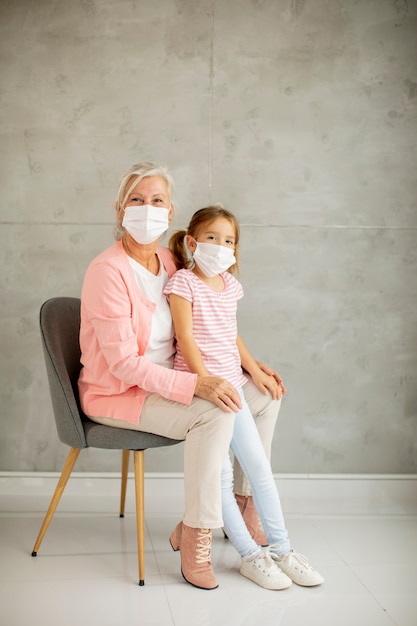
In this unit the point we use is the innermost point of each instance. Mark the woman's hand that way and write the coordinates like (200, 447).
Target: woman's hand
(218, 391)
(268, 379)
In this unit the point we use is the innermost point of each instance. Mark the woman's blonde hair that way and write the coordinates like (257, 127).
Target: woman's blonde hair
(203, 217)
(129, 181)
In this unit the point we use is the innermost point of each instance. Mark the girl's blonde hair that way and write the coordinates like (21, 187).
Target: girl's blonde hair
(129, 181)
(203, 217)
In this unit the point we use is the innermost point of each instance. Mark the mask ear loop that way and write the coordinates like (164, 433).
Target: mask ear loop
(189, 253)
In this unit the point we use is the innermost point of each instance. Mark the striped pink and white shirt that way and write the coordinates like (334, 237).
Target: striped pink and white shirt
(214, 323)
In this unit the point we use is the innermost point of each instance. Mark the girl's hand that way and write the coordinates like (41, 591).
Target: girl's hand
(218, 391)
(276, 387)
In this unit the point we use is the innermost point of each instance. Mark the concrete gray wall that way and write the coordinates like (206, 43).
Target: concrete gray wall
(298, 115)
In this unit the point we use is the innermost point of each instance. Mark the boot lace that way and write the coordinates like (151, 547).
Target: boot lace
(203, 547)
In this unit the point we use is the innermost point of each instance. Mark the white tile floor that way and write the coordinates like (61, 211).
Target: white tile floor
(86, 574)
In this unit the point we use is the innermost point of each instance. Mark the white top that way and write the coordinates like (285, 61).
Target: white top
(214, 323)
(160, 349)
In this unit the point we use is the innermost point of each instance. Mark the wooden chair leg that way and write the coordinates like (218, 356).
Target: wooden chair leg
(139, 463)
(63, 479)
(125, 471)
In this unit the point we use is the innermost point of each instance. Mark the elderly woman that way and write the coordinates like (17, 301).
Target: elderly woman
(127, 379)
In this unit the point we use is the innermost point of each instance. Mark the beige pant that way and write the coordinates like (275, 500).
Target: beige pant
(207, 431)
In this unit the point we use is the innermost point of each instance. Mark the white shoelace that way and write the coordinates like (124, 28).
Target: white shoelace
(296, 556)
(203, 548)
(269, 554)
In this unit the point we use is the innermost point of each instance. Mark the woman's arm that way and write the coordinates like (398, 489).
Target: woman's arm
(264, 377)
(112, 350)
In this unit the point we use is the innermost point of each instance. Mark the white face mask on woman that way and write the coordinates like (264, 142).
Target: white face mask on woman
(145, 223)
(212, 259)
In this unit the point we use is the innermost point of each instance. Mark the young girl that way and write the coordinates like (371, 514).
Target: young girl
(203, 296)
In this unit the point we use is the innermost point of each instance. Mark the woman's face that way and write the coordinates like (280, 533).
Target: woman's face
(151, 190)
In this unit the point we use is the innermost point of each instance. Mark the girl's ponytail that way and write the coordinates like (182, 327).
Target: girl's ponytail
(176, 245)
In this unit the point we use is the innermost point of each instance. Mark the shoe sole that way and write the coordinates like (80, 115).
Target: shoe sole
(307, 584)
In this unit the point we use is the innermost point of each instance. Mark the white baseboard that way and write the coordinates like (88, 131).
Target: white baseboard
(301, 494)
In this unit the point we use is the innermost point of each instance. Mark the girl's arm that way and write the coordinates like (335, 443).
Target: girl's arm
(264, 377)
(182, 316)
(209, 387)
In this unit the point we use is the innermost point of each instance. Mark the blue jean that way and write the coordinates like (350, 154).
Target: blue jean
(247, 447)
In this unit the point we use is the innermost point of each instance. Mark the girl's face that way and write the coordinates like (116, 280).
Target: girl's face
(220, 232)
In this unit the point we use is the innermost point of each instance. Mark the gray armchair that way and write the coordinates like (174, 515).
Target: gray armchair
(60, 325)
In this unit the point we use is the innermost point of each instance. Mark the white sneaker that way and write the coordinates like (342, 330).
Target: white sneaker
(265, 572)
(297, 567)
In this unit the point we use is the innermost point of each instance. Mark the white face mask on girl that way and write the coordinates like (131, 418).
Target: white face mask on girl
(145, 223)
(212, 259)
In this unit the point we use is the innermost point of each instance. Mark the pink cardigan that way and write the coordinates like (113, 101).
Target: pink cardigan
(115, 329)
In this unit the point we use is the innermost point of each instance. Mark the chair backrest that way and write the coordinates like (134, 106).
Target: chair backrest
(60, 327)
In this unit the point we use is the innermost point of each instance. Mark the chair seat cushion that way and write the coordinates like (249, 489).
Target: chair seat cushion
(99, 436)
